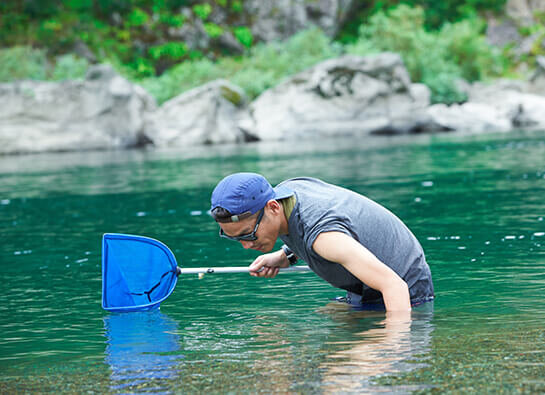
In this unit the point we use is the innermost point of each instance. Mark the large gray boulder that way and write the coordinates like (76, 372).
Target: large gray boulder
(468, 117)
(102, 112)
(498, 107)
(346, 95)
(205, 115)
(512, 100)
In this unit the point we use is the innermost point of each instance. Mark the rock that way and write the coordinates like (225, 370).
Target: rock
(192, 33)
(278, 20)
(462, 86)
(83, 51)
(537, 81)
(205, 115)
(513, 101)
(502, 32)
(479, 90)
(228, 41)
(267, 21)
(526, 110)
(522, 11)
(104, 111)
(525, 46)
(468, 117)
(346, 95)
(100, 72)
(501, 106)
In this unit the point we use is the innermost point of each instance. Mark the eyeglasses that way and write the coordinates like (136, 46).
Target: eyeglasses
(247, 237)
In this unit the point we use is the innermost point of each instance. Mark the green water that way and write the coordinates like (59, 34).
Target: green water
(477, 203)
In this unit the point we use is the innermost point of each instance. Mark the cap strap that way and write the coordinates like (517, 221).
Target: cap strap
(234, 218)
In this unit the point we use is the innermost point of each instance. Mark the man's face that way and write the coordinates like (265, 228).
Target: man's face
(266, 232)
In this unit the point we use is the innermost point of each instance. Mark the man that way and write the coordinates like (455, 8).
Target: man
(347, 239)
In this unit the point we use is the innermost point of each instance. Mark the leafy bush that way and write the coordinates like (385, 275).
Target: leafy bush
(269, 63)
(137, 17)
(69, 67)
(467, 47)
(264, 67)
(19, 63)
(171, 50)
(182, 77)
(202, 10)
(243, 35)
(438, 58)
(436, 12)
(213, 30)
(22, 63)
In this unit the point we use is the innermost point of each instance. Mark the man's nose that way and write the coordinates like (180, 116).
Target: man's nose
(246, 244)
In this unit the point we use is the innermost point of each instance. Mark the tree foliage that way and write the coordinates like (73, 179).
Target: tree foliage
(440, 42)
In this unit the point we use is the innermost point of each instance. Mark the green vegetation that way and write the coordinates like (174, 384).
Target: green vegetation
(440, 43)
(26, 63)
(139, 34)
(263, 67)
(436, 58)
(436, 13)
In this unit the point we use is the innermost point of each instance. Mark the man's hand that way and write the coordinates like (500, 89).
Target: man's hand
(267, 265)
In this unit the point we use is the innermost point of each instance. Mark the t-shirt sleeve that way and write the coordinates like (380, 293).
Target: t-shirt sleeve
(327, 225)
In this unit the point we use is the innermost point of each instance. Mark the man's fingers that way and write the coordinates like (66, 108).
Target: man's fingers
(269, 272)
(257, 265)
(266, 272)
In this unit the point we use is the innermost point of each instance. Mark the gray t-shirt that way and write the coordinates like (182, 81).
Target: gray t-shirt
(323, 207)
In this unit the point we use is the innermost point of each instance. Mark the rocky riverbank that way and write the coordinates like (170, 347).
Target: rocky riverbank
(349, 95)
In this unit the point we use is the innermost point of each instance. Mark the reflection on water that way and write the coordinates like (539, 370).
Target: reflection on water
(142, 349)
(394, 345)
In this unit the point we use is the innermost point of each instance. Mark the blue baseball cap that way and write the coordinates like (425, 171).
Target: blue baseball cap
(244, 194)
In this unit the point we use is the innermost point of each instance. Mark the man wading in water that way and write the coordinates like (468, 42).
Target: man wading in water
(347, 239)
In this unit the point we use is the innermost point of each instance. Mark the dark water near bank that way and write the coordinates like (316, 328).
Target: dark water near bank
(477, 203)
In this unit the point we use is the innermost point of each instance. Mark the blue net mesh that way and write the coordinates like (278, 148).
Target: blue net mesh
(138, 273)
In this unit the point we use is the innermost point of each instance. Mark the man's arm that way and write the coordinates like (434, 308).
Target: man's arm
(362, 263)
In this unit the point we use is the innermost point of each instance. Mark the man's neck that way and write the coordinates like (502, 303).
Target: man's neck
(288, 205)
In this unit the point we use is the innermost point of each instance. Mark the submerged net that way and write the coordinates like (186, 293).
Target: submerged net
(138, 273)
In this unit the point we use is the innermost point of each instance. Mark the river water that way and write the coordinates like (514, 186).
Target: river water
(476, 203)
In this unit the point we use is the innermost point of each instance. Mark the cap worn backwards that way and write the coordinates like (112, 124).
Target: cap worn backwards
(242, 193)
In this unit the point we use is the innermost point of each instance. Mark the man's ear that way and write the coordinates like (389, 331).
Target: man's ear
(274, 206)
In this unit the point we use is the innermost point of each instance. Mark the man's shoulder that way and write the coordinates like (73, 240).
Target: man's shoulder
(302, 182)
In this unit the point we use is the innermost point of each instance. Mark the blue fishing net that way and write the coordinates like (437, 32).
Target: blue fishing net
(138, 273)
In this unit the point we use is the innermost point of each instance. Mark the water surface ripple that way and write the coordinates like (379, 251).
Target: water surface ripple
(475, 202)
